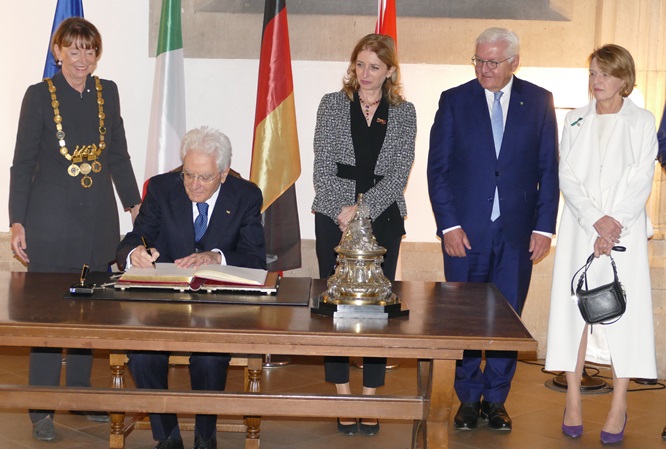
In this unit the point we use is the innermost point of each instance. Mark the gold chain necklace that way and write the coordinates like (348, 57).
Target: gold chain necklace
(90, 152)
(367, 106)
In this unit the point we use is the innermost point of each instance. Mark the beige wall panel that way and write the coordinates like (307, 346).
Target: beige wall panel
(563, 43)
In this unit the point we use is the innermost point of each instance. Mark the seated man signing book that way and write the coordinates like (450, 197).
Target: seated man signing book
(197, 217)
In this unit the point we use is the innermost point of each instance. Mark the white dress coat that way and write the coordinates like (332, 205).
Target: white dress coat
(609, 174)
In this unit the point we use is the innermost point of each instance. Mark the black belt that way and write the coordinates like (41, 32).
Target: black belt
(349, 172)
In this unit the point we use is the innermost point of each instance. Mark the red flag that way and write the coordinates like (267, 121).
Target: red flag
(386, 19)
(276, 163)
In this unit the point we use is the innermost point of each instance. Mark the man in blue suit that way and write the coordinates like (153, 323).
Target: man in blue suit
(195, 217)
(492, 178)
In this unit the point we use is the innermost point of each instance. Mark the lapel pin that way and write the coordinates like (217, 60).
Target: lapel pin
(577, 122)
(522, 103)
(229, 212)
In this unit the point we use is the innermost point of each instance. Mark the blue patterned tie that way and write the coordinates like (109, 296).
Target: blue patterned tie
(201, 221)
(497, 122)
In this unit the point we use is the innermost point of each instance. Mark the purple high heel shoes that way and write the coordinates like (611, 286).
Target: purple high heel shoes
(610, 438)
(571, 431)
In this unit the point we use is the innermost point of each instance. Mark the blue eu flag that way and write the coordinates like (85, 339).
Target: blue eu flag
(64, 10)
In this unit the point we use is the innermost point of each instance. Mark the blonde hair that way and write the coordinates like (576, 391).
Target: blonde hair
(617, 62)
(384, 47)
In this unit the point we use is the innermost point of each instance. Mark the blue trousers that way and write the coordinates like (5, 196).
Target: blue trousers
(150, 369)
(491, 260)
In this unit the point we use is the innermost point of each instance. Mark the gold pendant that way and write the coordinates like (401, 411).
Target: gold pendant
(81, 152)
(73, 170)
(86, 182)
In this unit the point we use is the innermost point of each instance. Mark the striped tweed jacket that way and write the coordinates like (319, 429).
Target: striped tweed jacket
(333, 144)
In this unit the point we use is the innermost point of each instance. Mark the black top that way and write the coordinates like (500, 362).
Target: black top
(368, 142)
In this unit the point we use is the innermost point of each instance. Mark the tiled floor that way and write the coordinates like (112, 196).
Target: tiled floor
(535, 409)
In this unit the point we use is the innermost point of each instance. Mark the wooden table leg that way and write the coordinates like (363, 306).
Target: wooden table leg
(435, 384)
(117, 362)
(253, 423)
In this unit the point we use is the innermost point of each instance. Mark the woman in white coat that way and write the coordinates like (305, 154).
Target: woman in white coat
(607, 159)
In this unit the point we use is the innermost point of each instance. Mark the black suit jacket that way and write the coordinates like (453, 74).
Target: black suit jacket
(166, 222)
(67, 225)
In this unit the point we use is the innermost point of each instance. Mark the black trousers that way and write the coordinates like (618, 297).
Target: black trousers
(328, 236)
(150, 369)
(46, 363)
(45, 367)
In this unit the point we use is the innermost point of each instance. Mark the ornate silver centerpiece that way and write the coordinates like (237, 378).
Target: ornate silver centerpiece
(358, 288)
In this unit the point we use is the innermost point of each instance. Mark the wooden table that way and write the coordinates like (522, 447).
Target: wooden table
(444, 320)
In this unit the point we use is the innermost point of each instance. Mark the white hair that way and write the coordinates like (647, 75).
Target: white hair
(494, 35)
(210, 141)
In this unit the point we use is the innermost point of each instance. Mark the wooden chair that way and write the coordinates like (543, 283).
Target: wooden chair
(121, 427)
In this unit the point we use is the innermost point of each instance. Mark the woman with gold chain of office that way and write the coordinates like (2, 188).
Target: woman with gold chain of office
(70, 152)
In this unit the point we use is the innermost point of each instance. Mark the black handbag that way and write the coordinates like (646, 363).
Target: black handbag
(602, 304)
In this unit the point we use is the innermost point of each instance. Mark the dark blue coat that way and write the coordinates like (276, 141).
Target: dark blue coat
(167, 223)
(463, 170)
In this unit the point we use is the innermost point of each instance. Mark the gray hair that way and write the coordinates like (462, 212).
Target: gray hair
(494, 35)
(210, 141)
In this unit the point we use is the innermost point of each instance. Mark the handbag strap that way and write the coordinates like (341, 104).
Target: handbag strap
(590, 259)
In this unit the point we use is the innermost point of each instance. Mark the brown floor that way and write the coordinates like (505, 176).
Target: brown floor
(536, 411)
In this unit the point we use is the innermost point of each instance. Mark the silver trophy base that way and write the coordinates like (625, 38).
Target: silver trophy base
(371, 311)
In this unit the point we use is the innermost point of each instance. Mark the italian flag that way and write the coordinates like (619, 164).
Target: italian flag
(167, 114)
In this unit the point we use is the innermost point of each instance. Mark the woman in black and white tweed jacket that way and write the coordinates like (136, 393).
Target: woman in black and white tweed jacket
(364, 143)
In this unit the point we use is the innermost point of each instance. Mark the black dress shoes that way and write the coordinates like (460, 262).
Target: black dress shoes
(200, 443)
(369, 429)
(663, 433)
(467, 416)
(496, 414)
(348, 429)
(170, 443)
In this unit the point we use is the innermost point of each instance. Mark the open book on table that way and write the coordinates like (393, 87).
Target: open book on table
(206, 277)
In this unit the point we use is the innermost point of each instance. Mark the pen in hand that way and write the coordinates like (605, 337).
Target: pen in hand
(143, 240)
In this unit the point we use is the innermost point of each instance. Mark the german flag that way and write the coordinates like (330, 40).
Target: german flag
(276, 162)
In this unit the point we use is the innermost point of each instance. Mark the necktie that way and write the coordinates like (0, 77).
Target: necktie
(497, 122)
(201, 221)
